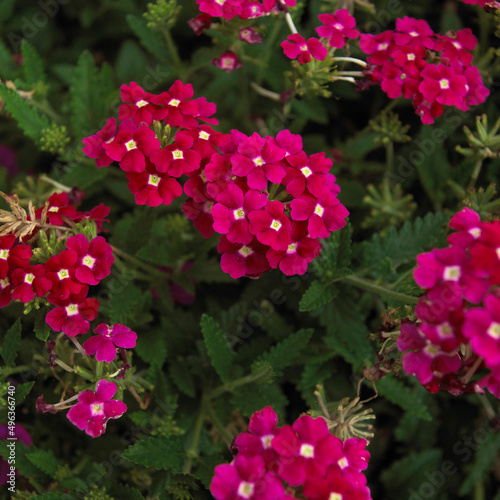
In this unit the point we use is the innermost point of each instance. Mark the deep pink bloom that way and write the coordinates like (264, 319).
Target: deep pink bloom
(441, 84)
(252, 9)
(290, 143)
(153, 188)
(205, 111)
(271, 225)
(296, 47)
(200, 23)
(335, 486)
(378, 46)
(201, 215)
(457, 48)
(337, 27)
(73, 314)
(220, 8)
(228, 61)
(231, 211)
(131, 147)
(178, 108)
(249, 35)
(414, 31)
(476, 91)
(59, 207)
(205, 140)
(12, 256)
(95, 258)
(94, 144)
(324, 214)
(305, 450)
(427, 110)
(395, 81)
(5, 292)
(108, 338)
(246, 479)
(138, 106)
(61, 272)
(28, 282)
(240, 260)
(467, 223)
(94, 409)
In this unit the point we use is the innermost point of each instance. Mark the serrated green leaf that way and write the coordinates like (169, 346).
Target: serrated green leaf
(398, 393)
(41, 329)
(76, 484)
(23, 465)
(125, 302)
(34, 71)
(44, 460)
(218, 346)
(401, 246)
(151, 41)
(181, 374)
(285, 352)
(11, 343)
(22, 390)
(7, 69)
(151, 347)
(124, 492)
(409, 473)
(158, 452)
(486, 454)
(253, 397)
(317, 295)
(29, 119)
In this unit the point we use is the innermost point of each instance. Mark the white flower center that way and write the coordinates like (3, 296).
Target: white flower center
(72, 309)
(319, 210)
(343, 463)
(63, 274)
(452, 273)
(382, 46)
(203, 135)
(444, 83)
(413, 33)
(307, 451)
(220, 2)
(227, 62)
(306, 171)
(245, 251)
(141, 103)
(494, 330)
(131, 145)
(266, 441)
(88, 261)
(178, 154)
(4, 254)
(431, 350)
(410, 56)
(445, 330)
(335, 496)
(239, 213)
(497, 251)
(153, 180)
(174, 102)
(338, 26)
(29, 278)
(258, 161)
(245, 489)
(291, 248)
(456, 45)
(4, 283)
(475, 232)
(276, 225)
(96, 409)
(53, 209)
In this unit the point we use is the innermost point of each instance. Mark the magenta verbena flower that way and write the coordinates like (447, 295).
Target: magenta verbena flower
(239, 259)
(28, 282)
(94, 144)
(296, 47)
(137, 104)
(108, 338)
(94, 409)
(271, 225)
(227, 61)
(337, 27)
(334, 486)
(61, 271)
(12, 256)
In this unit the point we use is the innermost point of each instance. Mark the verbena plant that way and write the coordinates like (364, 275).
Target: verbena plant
(249, 250)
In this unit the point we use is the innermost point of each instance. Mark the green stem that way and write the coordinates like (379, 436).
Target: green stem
(192, 453)
(133, 260)
(7, 371)
(231, 386)
(269, 50)
(371, 286)
(475, 173)
(174, 53)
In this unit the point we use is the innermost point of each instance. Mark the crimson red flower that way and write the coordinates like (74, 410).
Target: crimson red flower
(72, 315)
(94, 144)
(12, 256)
(137, 104)
(5, 292)
(61, 272)
(442, 84)
(220, 8)
(249, 35)
(59, 207)
(296, 47)
(28, 282)
(306, 172)
(228, 61)
(337, 27)
(201, 215)
(271, 226)
(243, 259)
(94, 260)
(200, 23)
(335, 487)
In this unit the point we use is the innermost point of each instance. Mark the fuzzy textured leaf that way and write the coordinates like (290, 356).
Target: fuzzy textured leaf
(317, 295)
(44, 460)
(151, 41)
(11, 343)
(29, 119)
(22, 390)
(285, 352)
(182, 377)
(218, 347)
(34, 71)
(403, 396)
(158, 452)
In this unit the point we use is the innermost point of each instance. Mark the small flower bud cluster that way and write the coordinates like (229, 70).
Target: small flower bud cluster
(269, 200)
(458, 332)
(302, 460)
(433, 70)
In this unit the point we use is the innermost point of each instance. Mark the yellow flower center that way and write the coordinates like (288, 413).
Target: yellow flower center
(266, 441)
(245, 251)
(29, 278)
(319, 210)
(178, 154)
(291, 248)
(88, 261)
(53, 209)
(276, 224)
(245, 489)
(307, 451)
(4, 254)
(203, 135)
(494, 330)
(452, 273)
(306, 171)
(445, 330)
(131, 145)
(63, 274)
(239, 213)
(174, 102)
(258, 161)
(335, 496)
(141, 103)
(72, 309)
(444, 83)
(410, 57)
(153, 180)
(343, 463)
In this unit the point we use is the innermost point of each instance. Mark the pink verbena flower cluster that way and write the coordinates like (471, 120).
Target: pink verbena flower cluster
(487, 5)
(245, 9)
(458, 332)
(268, 199)
(334, 31)
(433, 70)
(302, 460)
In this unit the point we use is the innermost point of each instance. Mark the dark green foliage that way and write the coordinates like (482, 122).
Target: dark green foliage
(11, 343)
(157, 452)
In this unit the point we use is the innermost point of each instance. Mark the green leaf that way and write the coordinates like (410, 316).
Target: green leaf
(11, 343)
(6, 10)
(44, 460)
(158, 452)
(29, 119)
(76, 484)
(23, 465)
(182, 376)
(125, 492)
(34, 71)
(410, 473)
(252, 397)
(7, 68)
(317, 295)
(149, 39)
(83, 175)
(41, 329)
(218, 346)
(285, 352)
(205, 470)
(486, 456)
(151, 347)
(398, 393)
(22, 391)
(312, 109)
(403, 246)
(125, 302)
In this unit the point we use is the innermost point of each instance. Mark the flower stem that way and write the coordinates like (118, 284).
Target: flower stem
(174, 52)
(290, 23)
(265, 92)
(138, 263)
(230, 386)
(354, 60)
(475, 173)
(191, 453)
(371, 286)
(218, 424)
(78, 346)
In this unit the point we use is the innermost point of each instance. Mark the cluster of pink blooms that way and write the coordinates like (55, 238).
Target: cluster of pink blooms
(457, 334)
(267, 198)
(244, 9)
(335, 29)
(433, 70)
(278, 463)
